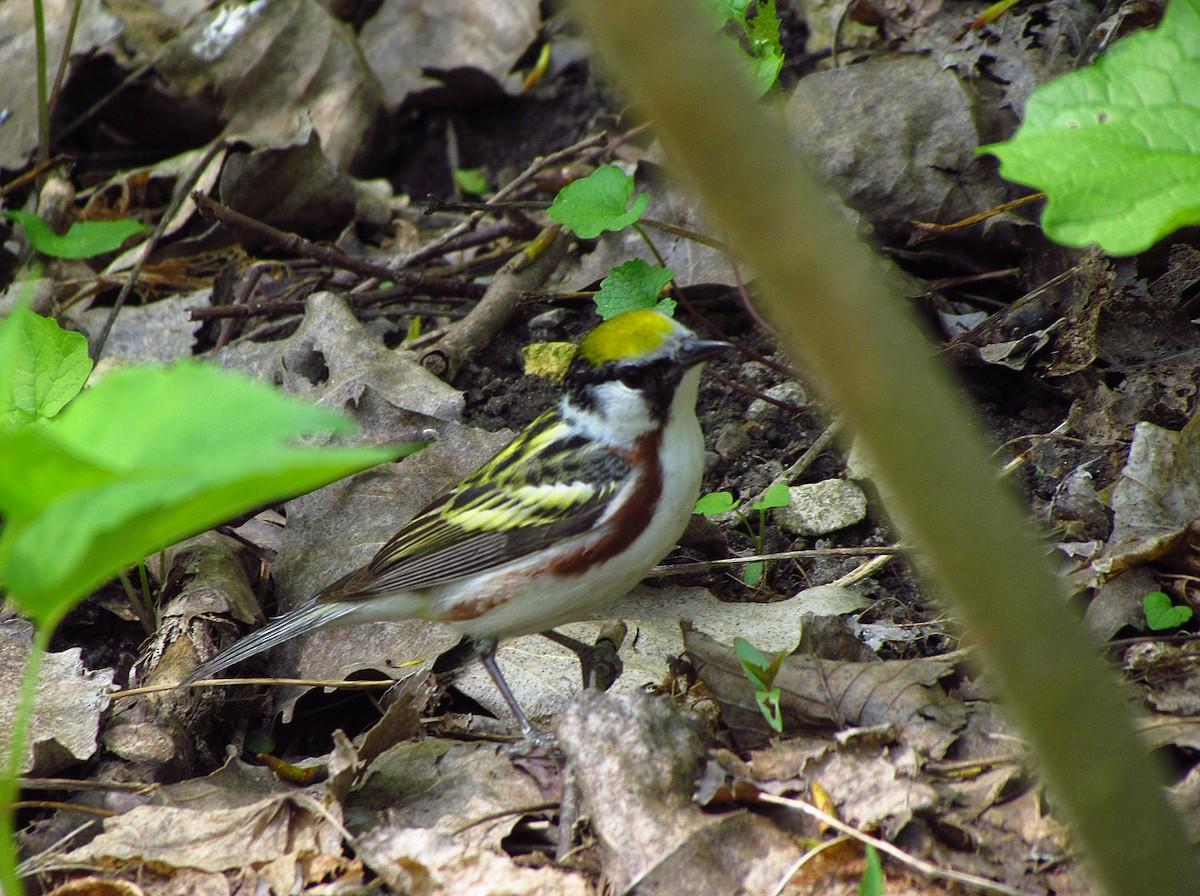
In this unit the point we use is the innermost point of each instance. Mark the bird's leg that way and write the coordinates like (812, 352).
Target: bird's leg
(600, 663)
(486, 648)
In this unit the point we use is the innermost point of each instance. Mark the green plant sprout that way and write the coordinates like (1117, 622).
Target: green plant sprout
(723, 502)
(93, 482)
(872, 879)
(605, 201)
(761, 672)
(1116, 145)
(1161, 613)
(471, 180)
(757, 35)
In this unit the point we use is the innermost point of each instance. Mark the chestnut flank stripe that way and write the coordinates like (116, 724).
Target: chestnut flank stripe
(625, 526)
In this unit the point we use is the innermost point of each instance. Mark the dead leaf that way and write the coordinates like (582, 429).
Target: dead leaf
(422, 860)
(1156, 498)
(470, 791)
(818, 693)
(96, 27)
(407, 41)
(635, 759)
(870, 791)
(279, 68)
(545, 676)
(69, 699)
(221, 839)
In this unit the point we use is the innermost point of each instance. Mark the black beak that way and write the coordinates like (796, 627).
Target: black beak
(697, 351)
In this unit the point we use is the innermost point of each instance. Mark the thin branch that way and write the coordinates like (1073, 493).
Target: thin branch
(161, 228)
(438, 246)
(298, 245)
(918, 865)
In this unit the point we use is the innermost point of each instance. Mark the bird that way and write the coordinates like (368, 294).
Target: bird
(567, 517)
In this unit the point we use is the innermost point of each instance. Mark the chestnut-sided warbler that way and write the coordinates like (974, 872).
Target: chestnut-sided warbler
(569, 516)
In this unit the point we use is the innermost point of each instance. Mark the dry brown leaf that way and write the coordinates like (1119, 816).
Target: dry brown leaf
(66, 711)
(221, 839)
(407, 41)
(827, 694)
(635, 760)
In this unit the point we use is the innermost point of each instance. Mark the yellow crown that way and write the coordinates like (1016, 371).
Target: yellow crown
(628, 335)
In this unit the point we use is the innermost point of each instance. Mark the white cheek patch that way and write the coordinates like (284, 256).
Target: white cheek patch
(617, 414)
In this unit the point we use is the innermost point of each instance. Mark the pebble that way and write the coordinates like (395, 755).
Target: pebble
(819, 508)
(763, 411)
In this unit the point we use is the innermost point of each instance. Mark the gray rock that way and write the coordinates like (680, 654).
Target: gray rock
(821, 507)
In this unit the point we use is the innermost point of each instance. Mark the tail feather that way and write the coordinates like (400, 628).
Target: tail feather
(302, 620)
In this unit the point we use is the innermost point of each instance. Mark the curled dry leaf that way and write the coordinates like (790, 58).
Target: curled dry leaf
(819, 693)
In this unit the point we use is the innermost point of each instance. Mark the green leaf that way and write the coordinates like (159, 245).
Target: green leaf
(753, 573)
(754, 663)
(83, 240)
(634, 285)
(729, 10)
(762, 32)
(42, 366)
(1162, 614)
(872, 879)
(145, 458)
(1116, 145)
(598, 202)
(471, 180)
(778, 495)
(768, 704)
(714, 503)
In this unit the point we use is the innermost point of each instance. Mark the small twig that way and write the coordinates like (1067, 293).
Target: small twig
(807, 459)
(245, 290)
(362, 302)
(527, 270)
(754, 393)
(685, 233)
(863, 571)
(298, 245)
(34, 173)
(97, 786)
(481, 236)
(434, 204)
(679, 569)
(226, 682)
(58, 805)
(68, 43)
(161, 228)
(925, 229)
(504, 813)
(741, 347)
(437, 247)
(919, 865)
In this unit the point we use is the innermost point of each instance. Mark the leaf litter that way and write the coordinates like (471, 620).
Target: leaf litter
(1084, 367)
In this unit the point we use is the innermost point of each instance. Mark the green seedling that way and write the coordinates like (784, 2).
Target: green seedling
(872, 879)
(471, 180)
(723, 502)
(761, 672)
(1116, 145)
(1162, 614)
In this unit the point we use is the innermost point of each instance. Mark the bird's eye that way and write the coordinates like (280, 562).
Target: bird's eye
(631, 377)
